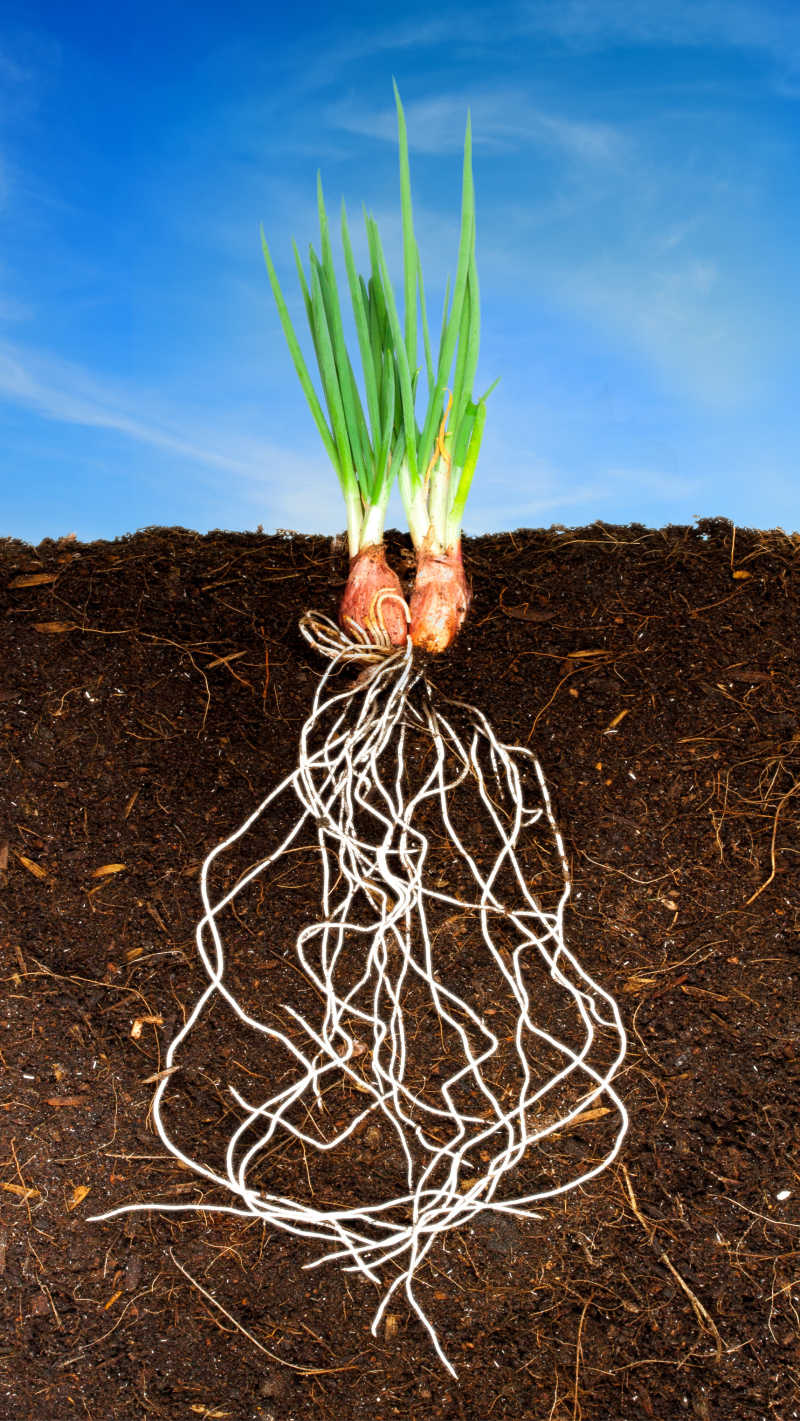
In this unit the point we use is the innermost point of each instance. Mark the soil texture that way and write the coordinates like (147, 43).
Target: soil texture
(152, 692)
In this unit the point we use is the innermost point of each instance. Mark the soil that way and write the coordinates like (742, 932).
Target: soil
(153, 691)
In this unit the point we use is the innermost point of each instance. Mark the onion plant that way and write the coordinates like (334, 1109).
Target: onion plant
(435, 459)
(440, 455)
(365, 448)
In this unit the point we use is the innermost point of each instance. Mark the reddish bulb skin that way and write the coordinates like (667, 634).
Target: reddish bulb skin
(381, 617)
(440, 599)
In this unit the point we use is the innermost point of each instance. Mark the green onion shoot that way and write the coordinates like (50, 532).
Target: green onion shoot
(433, 461)
(365, 447)
(439, 457)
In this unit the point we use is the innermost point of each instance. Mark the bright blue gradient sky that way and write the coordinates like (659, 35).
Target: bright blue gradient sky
(637, 166)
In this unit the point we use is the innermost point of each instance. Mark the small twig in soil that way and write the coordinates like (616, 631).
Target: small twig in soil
(701, 1313)
(307, 1371)
(795, 787)
(576, 1406)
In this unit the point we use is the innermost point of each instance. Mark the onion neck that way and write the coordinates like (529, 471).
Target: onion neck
(373, 519)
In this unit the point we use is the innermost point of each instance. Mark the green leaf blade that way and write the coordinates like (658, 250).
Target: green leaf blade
(299, 362)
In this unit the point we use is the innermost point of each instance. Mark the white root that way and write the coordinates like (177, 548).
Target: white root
(374, 961)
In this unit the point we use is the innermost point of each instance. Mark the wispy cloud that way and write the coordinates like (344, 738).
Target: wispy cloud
(656, 484)
(615, 493)
(681, 316)
(12, 309)
(357, 45)
(500, 119)
(29, 57)
(64, 392)
(10, 71)
(769, 28)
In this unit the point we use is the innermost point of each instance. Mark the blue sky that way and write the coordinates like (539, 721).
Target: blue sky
(637, 170)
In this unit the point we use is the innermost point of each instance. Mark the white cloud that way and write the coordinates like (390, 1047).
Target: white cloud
(502, 118)
(10, 71)
(736, 24)
(680, 315)
(655, 483)
(64, 392)
(29, 57)
(13, 310)
(540, 496)
(768, 27)
(323, 64)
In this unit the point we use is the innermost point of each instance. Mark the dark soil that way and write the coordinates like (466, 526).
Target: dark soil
(153, 690)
